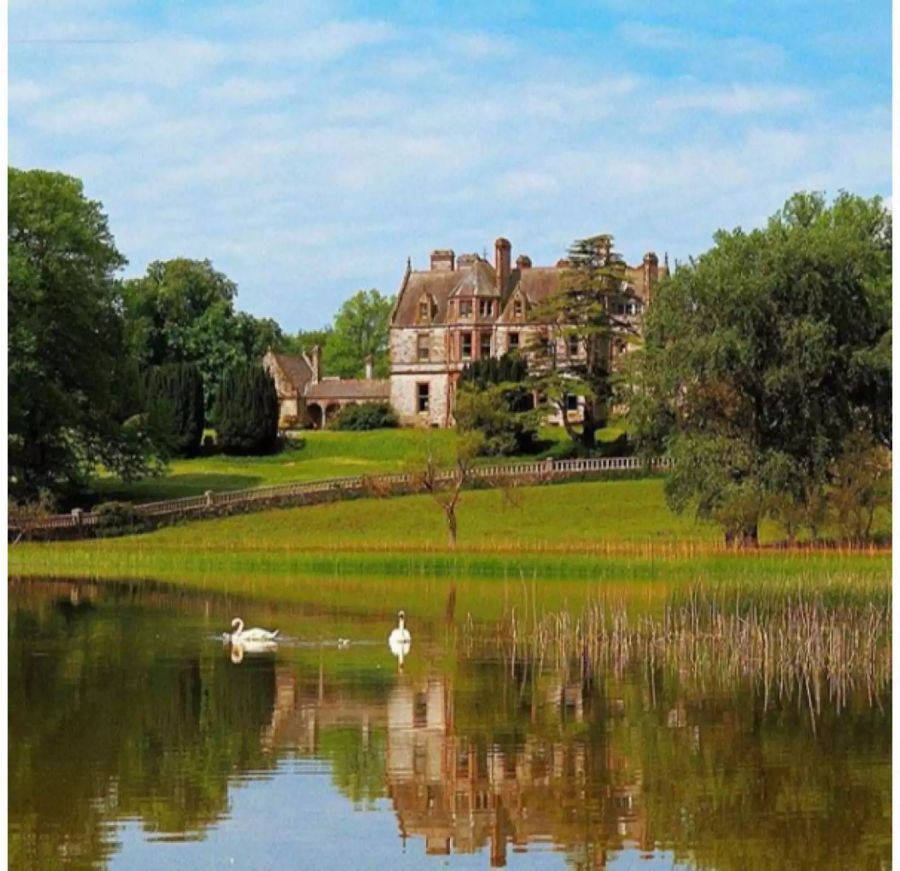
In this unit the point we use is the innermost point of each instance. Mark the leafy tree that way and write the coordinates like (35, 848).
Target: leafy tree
(247, 411)
(183, 311)
(493, 399)
(581, 313)
(304, 341)
(174, 394)
(72, 386)
(361, 329)
(763, 355)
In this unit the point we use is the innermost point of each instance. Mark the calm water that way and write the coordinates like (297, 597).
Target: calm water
(136, 741)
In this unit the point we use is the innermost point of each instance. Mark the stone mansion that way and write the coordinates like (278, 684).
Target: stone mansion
(459, 310)
(465, 308)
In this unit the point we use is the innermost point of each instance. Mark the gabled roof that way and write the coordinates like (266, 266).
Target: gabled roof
(296, 368)
(477, 280)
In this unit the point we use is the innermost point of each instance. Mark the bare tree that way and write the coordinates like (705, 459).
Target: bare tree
(445, 480)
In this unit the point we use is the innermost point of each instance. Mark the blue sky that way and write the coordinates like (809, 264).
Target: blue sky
(308, 148)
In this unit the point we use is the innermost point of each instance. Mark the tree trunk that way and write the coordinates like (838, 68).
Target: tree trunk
(750, 536)
(451, 526)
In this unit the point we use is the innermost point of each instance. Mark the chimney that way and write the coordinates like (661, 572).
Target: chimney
(369, 367)
(442, 260)
(466, 261)
(502, 254)
(650, 271)
(523, 261)
(315, 357)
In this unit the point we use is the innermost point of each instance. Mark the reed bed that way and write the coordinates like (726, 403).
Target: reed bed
(795, 646)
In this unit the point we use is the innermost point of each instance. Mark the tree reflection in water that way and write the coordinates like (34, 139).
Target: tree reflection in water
(502, 736)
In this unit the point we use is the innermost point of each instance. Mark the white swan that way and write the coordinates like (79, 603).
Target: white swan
(245, 636)
(238, 650)
(399, 641)
(400, 635)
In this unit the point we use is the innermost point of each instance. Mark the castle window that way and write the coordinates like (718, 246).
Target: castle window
(518, 307)
(512, 342)
(422, 395)
(424, 347)
(571, 402)
(485, 308)
(424, 310)
(574, 346)
(484, 347)
(465, 308)
(465, 346)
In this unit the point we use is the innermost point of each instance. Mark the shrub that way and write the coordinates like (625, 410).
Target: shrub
(493, 400)
(247, 411)
(368, 415)
(173, 396)
(118, 518)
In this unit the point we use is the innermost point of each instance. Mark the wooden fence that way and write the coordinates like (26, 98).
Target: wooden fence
(78, 522)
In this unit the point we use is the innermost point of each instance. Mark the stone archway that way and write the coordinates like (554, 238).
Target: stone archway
(316, 415)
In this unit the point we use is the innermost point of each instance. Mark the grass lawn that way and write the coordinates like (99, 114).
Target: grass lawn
(609, 530)
(311, 456)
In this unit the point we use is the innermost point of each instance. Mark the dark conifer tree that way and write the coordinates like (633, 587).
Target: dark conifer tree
(174, 397)
(247, 411)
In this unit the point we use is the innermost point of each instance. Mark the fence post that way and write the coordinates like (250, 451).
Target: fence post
(77, 514)
(208, 494)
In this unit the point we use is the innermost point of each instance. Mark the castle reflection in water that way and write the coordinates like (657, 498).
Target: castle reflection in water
(462, 791)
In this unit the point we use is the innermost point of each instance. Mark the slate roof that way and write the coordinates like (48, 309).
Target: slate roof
(296, 369)
(356, 389)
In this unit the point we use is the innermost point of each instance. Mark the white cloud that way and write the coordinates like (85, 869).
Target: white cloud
(735, 100)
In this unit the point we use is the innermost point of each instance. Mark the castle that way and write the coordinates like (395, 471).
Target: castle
(464, 309)
(459, 310)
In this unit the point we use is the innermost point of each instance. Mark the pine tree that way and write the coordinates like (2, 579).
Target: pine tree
(174, 398)
(247, 411)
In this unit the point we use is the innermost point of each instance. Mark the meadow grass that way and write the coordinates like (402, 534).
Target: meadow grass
(310, 456)
(613, 531)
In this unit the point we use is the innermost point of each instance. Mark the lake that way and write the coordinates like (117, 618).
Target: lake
(138, 739)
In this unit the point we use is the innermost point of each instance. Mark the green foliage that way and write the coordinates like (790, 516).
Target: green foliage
(72, 385)
(493, 400)
(174, 395)
(183, 311)
(763, 355)
(117, 518)
(366, 416)
(861, 485)
(247, 411)
(361, 330)
(583, 310)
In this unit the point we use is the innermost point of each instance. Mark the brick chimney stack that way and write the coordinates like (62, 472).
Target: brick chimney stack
(650, 271)
(523, 261)
(442, 260)
(315, 357)
(502, 264)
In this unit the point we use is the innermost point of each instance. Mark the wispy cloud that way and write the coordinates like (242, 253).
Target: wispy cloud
(308, 150)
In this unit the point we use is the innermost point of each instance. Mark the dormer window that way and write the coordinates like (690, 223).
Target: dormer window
(426, 309)
(485, 308)
(465, 308)
(518, 307)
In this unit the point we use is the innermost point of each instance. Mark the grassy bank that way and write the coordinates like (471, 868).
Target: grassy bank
(609, 531)
(308, 457)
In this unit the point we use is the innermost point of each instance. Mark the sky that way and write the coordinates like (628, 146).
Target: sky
(308, 148)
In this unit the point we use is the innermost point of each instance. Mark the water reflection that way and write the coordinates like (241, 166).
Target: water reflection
(128, 708)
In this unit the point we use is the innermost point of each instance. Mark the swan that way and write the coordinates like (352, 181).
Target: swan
(400, 635)
(239, 649)
(240, 635)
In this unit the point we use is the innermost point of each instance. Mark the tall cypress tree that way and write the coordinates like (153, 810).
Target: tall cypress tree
(174, 396)
(247, 411)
